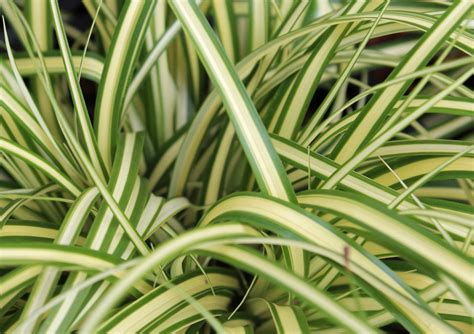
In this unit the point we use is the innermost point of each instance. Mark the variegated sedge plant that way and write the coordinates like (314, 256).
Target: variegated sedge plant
(267, 166)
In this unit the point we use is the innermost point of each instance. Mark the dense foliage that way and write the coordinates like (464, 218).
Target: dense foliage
(236, 166)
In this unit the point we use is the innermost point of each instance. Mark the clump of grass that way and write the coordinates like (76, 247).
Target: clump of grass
(241, 166)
